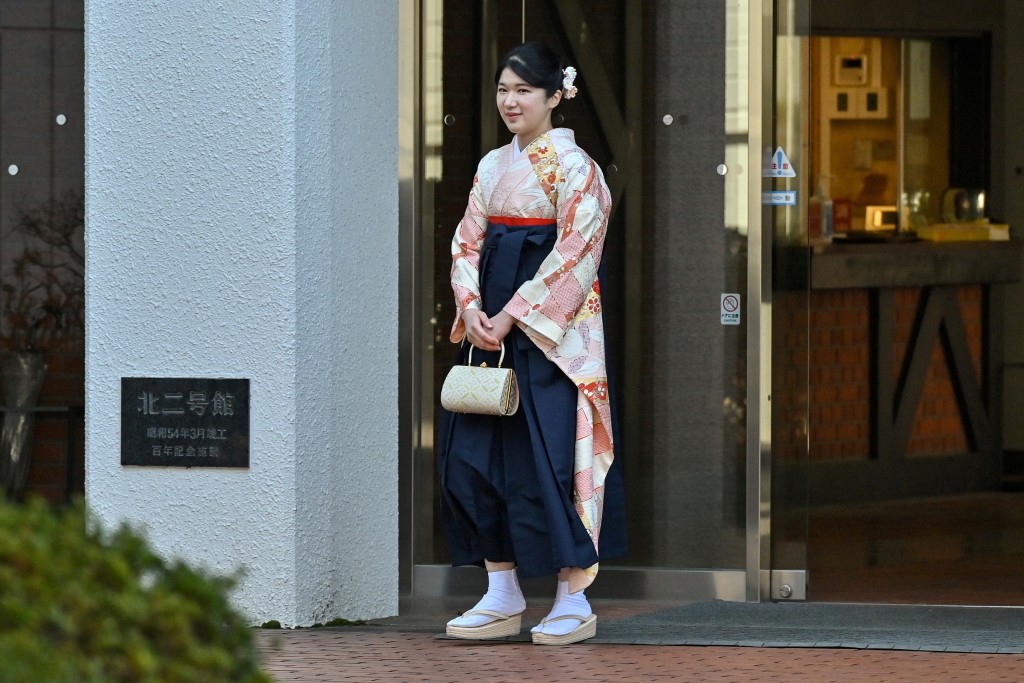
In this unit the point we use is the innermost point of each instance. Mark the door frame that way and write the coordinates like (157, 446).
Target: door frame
(755, 582)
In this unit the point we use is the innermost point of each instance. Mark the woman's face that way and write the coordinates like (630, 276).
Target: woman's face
(526, 110)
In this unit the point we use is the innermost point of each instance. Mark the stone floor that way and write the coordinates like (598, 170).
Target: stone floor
(357, 654)
(953, 550)
(961, 550)
(408, 649)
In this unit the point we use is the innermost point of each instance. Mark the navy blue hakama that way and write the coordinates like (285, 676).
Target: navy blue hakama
(507, 482)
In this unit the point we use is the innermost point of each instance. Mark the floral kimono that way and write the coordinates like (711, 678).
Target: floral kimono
(559, 308)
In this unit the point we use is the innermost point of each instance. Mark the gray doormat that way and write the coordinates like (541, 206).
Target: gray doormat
(825, 625)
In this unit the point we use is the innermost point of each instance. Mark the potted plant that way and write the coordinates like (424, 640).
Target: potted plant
(42, 297)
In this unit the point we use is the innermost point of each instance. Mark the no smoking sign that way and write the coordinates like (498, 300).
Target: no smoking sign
(730, 309)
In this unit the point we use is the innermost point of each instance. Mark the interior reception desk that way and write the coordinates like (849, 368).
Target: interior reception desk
(897, 347)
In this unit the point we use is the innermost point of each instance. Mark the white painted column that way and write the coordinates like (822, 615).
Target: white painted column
(241, 184)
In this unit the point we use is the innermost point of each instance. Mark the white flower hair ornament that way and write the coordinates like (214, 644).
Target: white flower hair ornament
(569, 77)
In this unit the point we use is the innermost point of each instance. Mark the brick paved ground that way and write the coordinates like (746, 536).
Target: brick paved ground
(358, 654)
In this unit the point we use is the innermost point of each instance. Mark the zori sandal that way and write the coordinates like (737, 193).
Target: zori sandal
(586, 629)
(500, 626)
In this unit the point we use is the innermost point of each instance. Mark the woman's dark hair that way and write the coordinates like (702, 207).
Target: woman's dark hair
(536, 64)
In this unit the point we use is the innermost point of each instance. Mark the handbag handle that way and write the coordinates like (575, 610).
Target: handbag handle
(501, 358)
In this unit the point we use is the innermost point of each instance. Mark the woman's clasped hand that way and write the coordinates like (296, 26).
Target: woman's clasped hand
(487, 333)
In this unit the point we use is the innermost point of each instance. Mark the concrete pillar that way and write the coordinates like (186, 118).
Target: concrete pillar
(241, 183)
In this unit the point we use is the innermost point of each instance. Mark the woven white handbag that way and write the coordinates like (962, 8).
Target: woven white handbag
(481, 390)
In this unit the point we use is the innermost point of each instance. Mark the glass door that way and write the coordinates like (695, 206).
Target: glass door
(795, 217)
(914, 345)
(677, 103)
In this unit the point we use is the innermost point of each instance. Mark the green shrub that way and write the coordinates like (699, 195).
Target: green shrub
(84, 605)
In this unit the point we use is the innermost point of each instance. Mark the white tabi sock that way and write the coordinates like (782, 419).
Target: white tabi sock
(575, 604)
(503, 595)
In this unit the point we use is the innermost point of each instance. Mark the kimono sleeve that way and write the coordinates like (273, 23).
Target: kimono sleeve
(466, 245)
(547, 304)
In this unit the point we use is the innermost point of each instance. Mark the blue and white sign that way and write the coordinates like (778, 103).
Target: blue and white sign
(779, 198)
(730, 309)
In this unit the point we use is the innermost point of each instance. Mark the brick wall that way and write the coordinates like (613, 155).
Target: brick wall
(938, 427)
(839, 375)
(838, 385)
(51, 458)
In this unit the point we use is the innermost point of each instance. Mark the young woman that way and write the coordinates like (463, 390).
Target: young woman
(533, 493)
